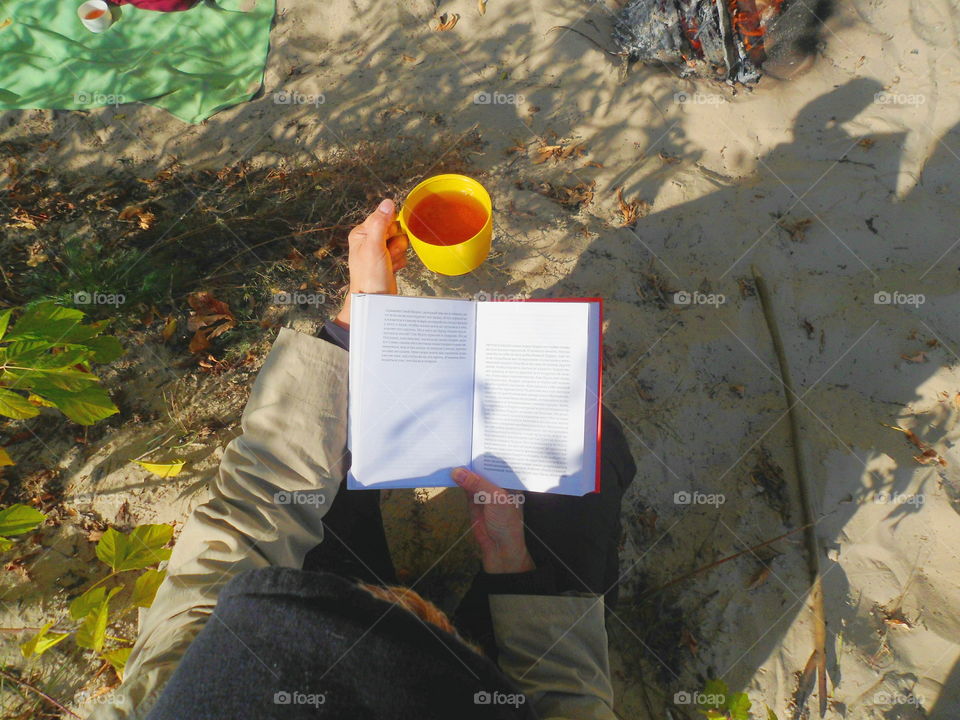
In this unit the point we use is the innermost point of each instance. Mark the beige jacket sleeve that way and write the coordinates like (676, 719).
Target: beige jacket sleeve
(554, 647)
(294, 440)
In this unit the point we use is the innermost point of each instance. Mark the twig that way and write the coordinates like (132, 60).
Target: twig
(584, 35)
(24, 684)
(711, 566)
(818, 660)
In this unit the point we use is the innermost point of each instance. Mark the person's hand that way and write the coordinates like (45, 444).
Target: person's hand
(497, 519)
(378, 248)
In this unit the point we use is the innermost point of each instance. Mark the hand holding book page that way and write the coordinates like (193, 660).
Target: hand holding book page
(508, 389)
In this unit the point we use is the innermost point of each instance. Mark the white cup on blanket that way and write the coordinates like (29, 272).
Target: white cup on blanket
(95, 15)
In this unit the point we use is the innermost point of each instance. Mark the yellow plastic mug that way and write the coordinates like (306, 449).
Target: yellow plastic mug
(450, 259)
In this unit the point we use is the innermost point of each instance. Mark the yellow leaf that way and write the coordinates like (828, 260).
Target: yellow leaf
(39, 401)
(5, 458)
(117, 659)
(169, 328)
(166, 470)
(6, 23)
(42, 641)
(482, 7)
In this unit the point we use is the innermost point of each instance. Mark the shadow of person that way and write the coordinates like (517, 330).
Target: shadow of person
(804, 218)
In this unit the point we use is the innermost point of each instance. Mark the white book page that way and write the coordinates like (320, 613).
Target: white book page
(411, 389)
(529, 419)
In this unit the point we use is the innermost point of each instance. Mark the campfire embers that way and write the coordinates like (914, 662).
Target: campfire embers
(706, 37)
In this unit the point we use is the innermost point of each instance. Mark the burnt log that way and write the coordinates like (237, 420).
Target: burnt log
(730, 39)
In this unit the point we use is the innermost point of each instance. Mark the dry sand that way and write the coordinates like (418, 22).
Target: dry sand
(867, 185)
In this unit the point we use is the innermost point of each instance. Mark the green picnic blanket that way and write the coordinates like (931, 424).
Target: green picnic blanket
(191, 63)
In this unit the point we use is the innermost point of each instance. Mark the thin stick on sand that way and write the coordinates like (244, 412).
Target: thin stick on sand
(715, 564)
(817, 664)
(27, 686)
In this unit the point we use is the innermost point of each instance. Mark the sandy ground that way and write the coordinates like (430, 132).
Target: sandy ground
(837, 185)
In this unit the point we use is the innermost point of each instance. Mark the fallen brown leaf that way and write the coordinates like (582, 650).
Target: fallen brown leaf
(571, 196)
(895, 617)
(209, 318)
(295, 259)
(212, 365)
(36, 255)
(447, 21)
(796, 229)
(199, 342)
(545, 152)
(559, 151)
(927, 456)
(758, 578)
(920, 357)
(144, 218)
(27, 220)
(631, 211)
(482, 7)
(123, 516)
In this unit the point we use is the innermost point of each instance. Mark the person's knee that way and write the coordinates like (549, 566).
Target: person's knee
(615, 450)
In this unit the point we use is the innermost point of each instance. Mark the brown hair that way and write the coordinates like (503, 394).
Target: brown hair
(411, 601)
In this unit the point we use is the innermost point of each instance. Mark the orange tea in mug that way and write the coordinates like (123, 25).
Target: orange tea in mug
(448, 219)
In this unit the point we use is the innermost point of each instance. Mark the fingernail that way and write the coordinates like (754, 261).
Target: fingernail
(386, 207)
(459, 474)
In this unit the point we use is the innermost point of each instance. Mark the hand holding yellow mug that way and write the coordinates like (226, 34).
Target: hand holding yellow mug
(449, 220)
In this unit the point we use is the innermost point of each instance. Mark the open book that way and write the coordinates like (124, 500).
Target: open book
(510, 390)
